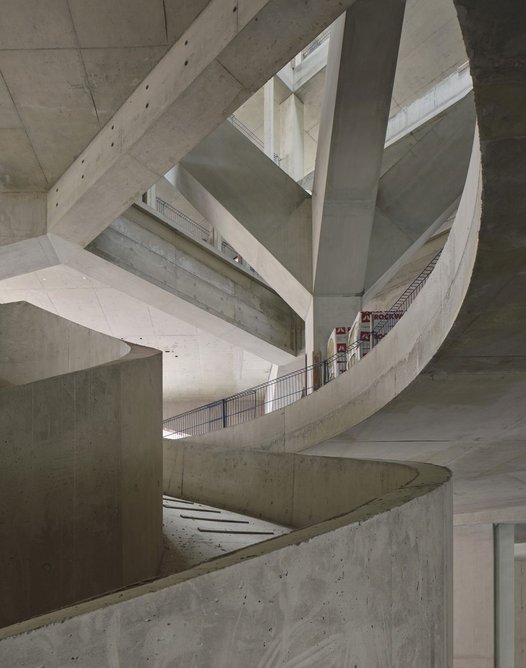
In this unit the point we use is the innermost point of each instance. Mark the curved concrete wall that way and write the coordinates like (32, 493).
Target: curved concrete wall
(80, 466)
(367, 587)
(278, 487)
(36, 344)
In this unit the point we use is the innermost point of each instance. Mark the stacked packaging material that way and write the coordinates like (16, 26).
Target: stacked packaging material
(368, 328)
(336, 351)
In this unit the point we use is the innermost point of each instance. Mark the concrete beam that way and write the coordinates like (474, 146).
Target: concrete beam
(256, 207)
(142, 256)
(422, 176)
(360, 74)
(359, 81)
(186, 96)
(445, 94)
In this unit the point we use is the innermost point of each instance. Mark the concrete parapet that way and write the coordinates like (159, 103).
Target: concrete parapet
(80, 462)
(363, 582)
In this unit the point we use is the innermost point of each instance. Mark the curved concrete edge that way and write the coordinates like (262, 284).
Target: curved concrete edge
(91, 519)
(285, 488)
(279, 595)
(389, 367)
(36, 344)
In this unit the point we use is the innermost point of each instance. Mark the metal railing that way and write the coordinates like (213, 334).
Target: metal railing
(199, 232)
(406, 298)
(280, 392)
(310, 48)
(183, 221)
(252, 136)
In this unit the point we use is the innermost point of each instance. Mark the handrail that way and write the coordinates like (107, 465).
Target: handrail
(190, 226)
(252, 136)
(280, 392)
(199, 232)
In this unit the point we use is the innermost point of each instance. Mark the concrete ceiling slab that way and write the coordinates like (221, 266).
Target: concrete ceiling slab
(55, 105)
(113, 74)
(180, 14)
(119, 23)
(19, 166)
(68, 67)
(33, 24)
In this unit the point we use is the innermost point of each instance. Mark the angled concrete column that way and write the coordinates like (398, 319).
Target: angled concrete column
(504, 596)
(359, 81)
(292, 137)
(256, 207)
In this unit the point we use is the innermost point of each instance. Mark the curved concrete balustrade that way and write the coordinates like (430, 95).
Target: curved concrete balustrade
(390, 366)
(80, 463)
(35, 344)
(365, 581)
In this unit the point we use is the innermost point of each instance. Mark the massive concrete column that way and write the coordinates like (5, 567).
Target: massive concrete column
(359, 81)
(504, 596)
(473, 596)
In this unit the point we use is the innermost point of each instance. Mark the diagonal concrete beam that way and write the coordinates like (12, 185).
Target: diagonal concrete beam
(360, 73)
(228, 52)
(359, 82)
(423, 175)
(256, 207)
(142, 256)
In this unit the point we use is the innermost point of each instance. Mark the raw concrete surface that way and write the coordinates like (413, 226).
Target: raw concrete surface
(316, 596)
(35, 344)
(187, 95)
(389, 367)
(473, 596)
(255, 206)
(80, 470)
(520, 613)
(198, 367)
(194, 533)
(277, 487)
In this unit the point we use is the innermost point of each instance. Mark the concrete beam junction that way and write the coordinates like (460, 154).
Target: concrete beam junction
(359, 81)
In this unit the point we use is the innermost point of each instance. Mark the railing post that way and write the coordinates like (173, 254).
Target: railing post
(223, 403)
